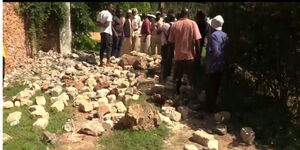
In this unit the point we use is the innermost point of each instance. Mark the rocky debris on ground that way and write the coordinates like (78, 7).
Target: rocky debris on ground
(69, 126)
(190, 147)
(205, 139)
(17, 103)
(141, 117)
(58, 105)
(121, 108)
(14, 118)
(248, 135)
(8, 104)
(171, 113)
(6, 137)
(49, 137)
(93, 127)
(40, 100)
(41, 123)
(38, 111)
(221, 129)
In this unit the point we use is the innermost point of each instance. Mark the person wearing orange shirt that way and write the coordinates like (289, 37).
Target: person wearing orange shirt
(186, 36)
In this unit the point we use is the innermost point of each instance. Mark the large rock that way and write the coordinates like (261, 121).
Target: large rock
(205, 139)
(6, 137)
(41, 123)
(112, 98)
(25, 94)
(78, 85)
(141, 117)
(81, 99)
(14, 118)
(72, 92)
(91, 82)
(103, 100)
(86, 107)
(221, 129)
(103, 108)
(115, 117)
(190, 147)
(121, 108)
(40, 100)
(8, 104)
(166, 120)
(38, 111)
(69, 126)
(136, 61)
(49, 137)
(59, 105)
(17, 103)
(93, 128)
(171, 113)
(56, 90)
(248, 135)
(102, 92)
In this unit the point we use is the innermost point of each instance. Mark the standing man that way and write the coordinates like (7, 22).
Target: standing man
(217, 42)
(136, 26)
(186, 37)
(118, 22)
(167, 50)
(156, 34)
(104, 19)
(127, 29)
(146, 34)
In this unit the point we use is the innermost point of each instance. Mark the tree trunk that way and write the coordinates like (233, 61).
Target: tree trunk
(65, 34)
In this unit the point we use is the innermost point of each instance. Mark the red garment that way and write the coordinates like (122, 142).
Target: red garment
(146, 28)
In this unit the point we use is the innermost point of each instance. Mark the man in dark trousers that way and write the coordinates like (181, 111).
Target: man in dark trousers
(186, 37)
(167, 49)
(105, 19)
(217, 42)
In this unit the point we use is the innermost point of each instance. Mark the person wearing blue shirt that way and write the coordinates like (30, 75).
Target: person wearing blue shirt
(214, 61)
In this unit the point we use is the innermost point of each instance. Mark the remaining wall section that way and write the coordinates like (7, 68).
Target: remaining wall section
(14, 37)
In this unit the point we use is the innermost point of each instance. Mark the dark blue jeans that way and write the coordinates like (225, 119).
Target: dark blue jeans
(117, 43)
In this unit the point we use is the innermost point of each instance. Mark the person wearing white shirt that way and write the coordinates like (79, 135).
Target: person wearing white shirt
(136, 26)
(105, 19)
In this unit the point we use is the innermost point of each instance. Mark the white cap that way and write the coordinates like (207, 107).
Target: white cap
(217, 22)
(129, 11)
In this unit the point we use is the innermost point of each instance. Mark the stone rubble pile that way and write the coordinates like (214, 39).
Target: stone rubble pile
(105, 94)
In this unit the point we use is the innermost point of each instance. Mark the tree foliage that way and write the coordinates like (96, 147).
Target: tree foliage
(38, 13)
(82, 24)
(263, 39)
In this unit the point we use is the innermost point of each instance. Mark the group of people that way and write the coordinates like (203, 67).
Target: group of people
(178, 39)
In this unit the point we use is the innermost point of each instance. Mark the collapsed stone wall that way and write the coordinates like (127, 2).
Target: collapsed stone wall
(15, 41)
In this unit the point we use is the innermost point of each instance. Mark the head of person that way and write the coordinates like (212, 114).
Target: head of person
(144, 16)
(128, 14)
(119, 12)
(184, 13)
(134, 11)
(171, 16)
(158, 15)
(200, 15)
(109, 7)
(217, 22)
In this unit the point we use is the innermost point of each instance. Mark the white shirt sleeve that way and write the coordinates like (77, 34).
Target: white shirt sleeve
(109, 17)
(98, 17)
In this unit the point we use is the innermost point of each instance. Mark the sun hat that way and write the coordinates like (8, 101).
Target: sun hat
(217, 22)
